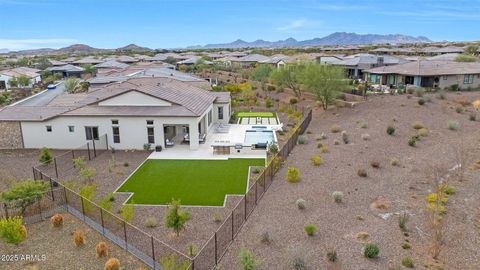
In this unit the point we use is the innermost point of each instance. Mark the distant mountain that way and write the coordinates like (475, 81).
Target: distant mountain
(4, 50)
(134, 48)
(339, 38)
(78, 49)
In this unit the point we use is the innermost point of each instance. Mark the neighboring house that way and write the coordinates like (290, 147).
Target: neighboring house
(442, 50)
(444, 57)
(89, 60)
(31, 73)
(112, 64)
(56, 63)
(67, 71)
(277, 60)
(431, 74)
(249, 60)
(192, 61)
(125, 115)
(356, 64)
(126, 59)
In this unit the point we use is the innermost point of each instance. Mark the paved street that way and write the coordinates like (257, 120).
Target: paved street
(43, 98)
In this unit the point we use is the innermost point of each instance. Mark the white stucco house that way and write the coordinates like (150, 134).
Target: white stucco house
(157, 111)
(31, 73)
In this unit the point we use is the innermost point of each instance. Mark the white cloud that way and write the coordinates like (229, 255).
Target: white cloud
(27, 44)
(293, 25)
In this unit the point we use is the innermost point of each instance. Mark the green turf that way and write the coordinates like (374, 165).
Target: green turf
(255, 114)
(194, 182)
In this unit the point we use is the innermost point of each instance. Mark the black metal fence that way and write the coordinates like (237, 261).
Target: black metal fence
(216, 247)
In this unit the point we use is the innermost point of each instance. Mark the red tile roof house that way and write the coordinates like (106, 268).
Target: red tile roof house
(428, 74)
(128, 114)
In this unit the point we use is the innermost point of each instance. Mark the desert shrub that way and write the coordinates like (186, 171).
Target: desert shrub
(248, 261)
(394, 162)
(147, 146)
(101, 249)
(293, 175)
(79, 163)
(127, 211)
(107, 202)
(323, 148)
(433, 197)
(406, 245)
(463, 101)
(408, 262)
(459, 109)
(268, 103)
(273, 148)
(293, 101)
(299, 264)
(88, 193)
(173, 262)
(476, 104)
(112, 264)
(45, 156)
(301, 204)
(441, 94)
(362, 173)
(332, 255)
(417, 125)
(151, 222)
(375, 164)
(452, 125)
(265, 238)
(472, 116)
(365, 137)
(363, 124)
(175, 218)
(335, 129)
(421, 101)
(12, 230)
(125, 164)
(448, 189)
(191, 250)
(217, 217)
(321, 137)
(336, 142)
(79, 238)
(22, 194)
(310, 229)
(413, 141)
(419, 92)
(337, 196)
(57, 220)
(87, 173)
(345, 137)
(390, 130)
(423, 132)
(316, 160)
(371, 251)
(256, 170)
(402, 221)
(302, 139)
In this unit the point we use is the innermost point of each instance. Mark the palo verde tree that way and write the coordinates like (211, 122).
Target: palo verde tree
(261, 73)
(324, 81)
(24, 193)
(23, 81)
(176, 218)
(289, 76)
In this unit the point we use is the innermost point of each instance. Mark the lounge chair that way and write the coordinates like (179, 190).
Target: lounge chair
(202, 137)
(169, 142)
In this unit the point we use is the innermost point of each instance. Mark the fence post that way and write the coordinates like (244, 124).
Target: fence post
(83, 208)
(73, 154)
(101, 217)
(125, 233)
(6, 210)
(34, 174)
(245, 208)
(94, 148)
(106, 141)
(65, 195)
(153, 253)
(51, 189)
(216, 257)
(40, 208)
(88, 150)
(256, 189)
(56, 168)
(233, 233)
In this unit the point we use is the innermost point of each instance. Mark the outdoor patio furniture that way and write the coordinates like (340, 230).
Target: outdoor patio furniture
(186, 138)
(169, 143)
(202, 137)
(158, 148)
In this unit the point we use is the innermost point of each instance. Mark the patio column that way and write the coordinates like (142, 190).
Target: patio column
(193, 129)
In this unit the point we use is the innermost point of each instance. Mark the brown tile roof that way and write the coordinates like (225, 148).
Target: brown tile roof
(429, 68)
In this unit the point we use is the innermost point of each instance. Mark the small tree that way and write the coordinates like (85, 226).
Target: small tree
(175, 218)
(127, 212)
(13, 82)
(45, 156)
(12, 230)
(88, 192)
(87, 174)
(23, 81)
(247, 259)
(289, 77)
(24, 193)
(172, 262)
(79, 163)
(261, 73)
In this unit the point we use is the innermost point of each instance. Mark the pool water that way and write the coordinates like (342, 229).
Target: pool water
(259, 136)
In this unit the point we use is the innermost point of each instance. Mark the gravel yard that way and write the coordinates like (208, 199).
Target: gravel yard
(401, 189)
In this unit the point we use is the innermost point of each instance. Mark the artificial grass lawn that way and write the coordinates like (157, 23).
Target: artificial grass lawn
(255, 114)
(194, 182)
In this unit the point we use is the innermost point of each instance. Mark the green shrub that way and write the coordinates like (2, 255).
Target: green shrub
(419, 92)
(421, 101)
(402, 221)
(88, 192)
(147, 146)
(293, 101)
(335, 129)
(417, 125)
(127, 211)
(302, 139)
(394, 162)
(79, 163)
(293, 175)
(363, 124)
(151, 222)
(316, 160)
(24, 193)
(87, 173)
(408, 262)
(390, 130)
(452, 125)
(459, 109)
(217, 217)
(413, 141)
(45, 156)
(371, 251)
(337, 196)
(301, 204)
(362, 173)
(345, 137)
(472, 117)
(332, 255)
(273, 148)
(12, 230)
(248, 260)
(106, 202)
(310, 229)
(175, 218)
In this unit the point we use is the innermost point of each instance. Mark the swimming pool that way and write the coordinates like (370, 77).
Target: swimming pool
(259, 136)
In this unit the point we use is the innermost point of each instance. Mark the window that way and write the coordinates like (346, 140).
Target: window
(445, 77)
(149, 122)
(116, 134)
(91, 133)
(150, 135)
(220, 113)
(71, 128)
(210, 117)
(114, 122)
(468, 79)
(49, 128)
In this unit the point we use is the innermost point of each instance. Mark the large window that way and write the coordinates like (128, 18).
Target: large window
(91, 133)
(468, 79)
(151, 135)
(116, 134)
(220, 113)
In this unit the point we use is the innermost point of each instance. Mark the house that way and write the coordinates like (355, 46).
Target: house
(111, 64)
(277, 60)
(192, 61)
(31, 73)
(126, 59)
(442, 50)
(67, 70)
(123, 115)
(56, 63)
(249, 60)
(425, 73)
(356, 64)
(89, 60)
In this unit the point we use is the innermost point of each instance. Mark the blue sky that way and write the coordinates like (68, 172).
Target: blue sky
(26, 24)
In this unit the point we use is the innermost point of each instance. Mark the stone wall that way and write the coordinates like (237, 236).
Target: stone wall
(10, 135)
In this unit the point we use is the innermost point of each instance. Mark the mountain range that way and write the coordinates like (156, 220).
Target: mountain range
(339, 38)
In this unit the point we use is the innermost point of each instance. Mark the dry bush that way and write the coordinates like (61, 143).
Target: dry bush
(112, 264)
(79, 238)
(101, 249)
(423, 132)
(476, 104)
(57, 220)
(417, 125)
(462, 101)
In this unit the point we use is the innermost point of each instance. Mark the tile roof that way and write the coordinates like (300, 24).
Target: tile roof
(66, 68)
(429, 68)
(21, 71)
(112, 64)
